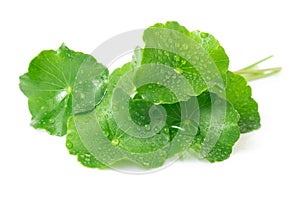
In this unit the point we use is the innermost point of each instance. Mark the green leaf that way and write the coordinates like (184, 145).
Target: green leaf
(213, 48)
(139, 142)
(218, 128)
(213, 135)
(106, 142)
(96, 129)
(239, 95)
(50, 82)
(75, 147)
(182, 64)
(182, 124)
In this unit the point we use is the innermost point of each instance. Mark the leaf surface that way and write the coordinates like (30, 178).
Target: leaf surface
(239, 95)
(50, 82)
(182, 64)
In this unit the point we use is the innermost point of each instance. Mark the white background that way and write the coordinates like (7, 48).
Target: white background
(265, 163)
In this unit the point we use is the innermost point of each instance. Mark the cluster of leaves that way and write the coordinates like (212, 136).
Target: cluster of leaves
(176, 95)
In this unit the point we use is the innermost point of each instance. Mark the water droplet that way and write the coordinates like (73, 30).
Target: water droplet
(178, 70)
(147, 127)
(96, 83)
(186, 121)
(177, 58)
(115, 108)
(166, 130)
(51, 121)
(203, 34)
(69, 145)
(153, 146)
(115, 142)
(106, 133)
(185, 47)
(69, 90)
(43, 107)
(87, 157)
(251, 118)
(81, 95)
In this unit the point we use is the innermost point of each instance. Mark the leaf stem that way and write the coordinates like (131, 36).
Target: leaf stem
(256, 63)
(253, 74)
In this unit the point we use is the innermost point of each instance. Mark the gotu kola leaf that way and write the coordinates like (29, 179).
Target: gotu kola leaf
(76, 147)
(105, 137)
(217, 132)
(192, 62)
(217, 129)
(50, 82)
(239, 95)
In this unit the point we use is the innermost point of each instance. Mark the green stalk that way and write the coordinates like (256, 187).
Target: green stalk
(256, 63)
(253, 74)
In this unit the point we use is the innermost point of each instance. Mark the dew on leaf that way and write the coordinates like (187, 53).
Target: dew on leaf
(166, 130)
(106, 133)
(115, 142)
(69, 90)
(51, 121)
(178, 70)
(147, 127)
(204, 35)
(115, 108)
(69, 145)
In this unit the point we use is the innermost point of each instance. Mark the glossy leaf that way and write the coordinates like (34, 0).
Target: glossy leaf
(50, 82)
(182, 64)
(239, 95)
(76, 147)
(218, 130)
